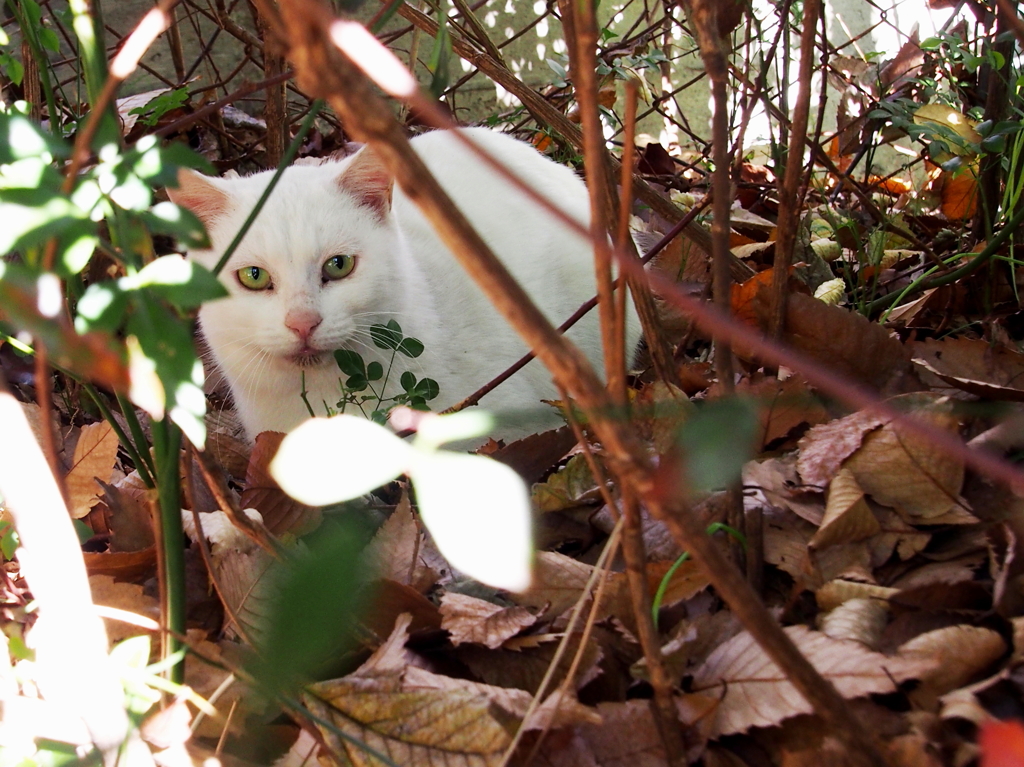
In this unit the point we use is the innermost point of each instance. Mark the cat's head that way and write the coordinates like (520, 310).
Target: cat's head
(316, 261)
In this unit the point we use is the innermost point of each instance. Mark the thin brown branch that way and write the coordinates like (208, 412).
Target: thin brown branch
(325, 72)
(789, 204)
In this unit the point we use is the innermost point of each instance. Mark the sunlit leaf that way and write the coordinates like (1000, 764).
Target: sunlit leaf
(478, 511)
(326, 460)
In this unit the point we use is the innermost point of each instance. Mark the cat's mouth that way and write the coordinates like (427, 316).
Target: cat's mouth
(305, 358)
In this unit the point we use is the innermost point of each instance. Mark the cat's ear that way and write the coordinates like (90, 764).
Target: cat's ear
(198, 194)
(368, 180)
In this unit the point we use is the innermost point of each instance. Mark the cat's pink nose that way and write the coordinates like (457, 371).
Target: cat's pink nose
(302, 323)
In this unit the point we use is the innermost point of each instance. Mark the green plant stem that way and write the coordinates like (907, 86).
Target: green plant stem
(659, 595)
(137, 434)
(286, 160)
(144, 465)
(167, 446)
(926, 282)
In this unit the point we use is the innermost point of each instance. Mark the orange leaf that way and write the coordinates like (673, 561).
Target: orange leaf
(959, 195)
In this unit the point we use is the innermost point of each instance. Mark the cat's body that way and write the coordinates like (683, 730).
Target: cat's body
(264, 339)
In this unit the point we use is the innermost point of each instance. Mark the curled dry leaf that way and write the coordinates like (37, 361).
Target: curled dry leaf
(836, 592)
(94, 459)
(847, 516)
(755, 692)
(974, 366)
(477, 621)
(960, 654)
(907, 471)
(862, 620)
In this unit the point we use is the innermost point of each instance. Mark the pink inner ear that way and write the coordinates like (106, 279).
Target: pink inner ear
(200, 196)
(366, 178)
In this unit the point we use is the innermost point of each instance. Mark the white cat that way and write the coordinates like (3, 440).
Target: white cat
(336, 249)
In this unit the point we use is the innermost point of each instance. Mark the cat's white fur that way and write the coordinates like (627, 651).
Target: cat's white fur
(402, 272)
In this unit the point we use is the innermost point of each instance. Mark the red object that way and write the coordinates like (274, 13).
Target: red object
(1002, 744)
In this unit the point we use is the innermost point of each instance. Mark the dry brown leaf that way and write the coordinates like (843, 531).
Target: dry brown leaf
(782, 407)
(525, 668)
(848, 343)
(123, 596)
(477, 621)
(558, 583)
(847, 516)
(416, 728)
(626, 737)
(862, 620)
(34, 415)
(974, 365)
(825, 447)
(396, 549)
(778, 482)
(94, 459)
(834, 593)
(687, 580)
(131, 526)
(572, 486)
(281, 513)
(906, 471)
(755, 692)
(960, 654)
(225, 439)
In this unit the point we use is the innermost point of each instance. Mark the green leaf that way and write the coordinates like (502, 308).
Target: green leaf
(21, 138)
(350, 362)
(180, 223)
(9, 540)
(408, 381)
(49, 40)
(718, 439)
(166, 342)
(427, 388)
(182, 282)
(151, 112)
(357, 383)
(329, 460)
(386, 336)
(374, 371)
(101, 307)
(411, 347)
(28, 223)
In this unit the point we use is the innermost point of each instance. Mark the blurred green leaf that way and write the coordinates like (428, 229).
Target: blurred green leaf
(411, 347)
(314, 608)
(718, 439)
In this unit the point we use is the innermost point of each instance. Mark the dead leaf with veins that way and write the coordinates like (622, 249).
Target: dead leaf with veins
(961, 653)
(824, 448)
(471, 620)
(755, 693)
(396, 550)
(95, 455)
(909, 472)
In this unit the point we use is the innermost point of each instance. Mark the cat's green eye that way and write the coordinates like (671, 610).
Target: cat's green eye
(338, 267)
(254, 278)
